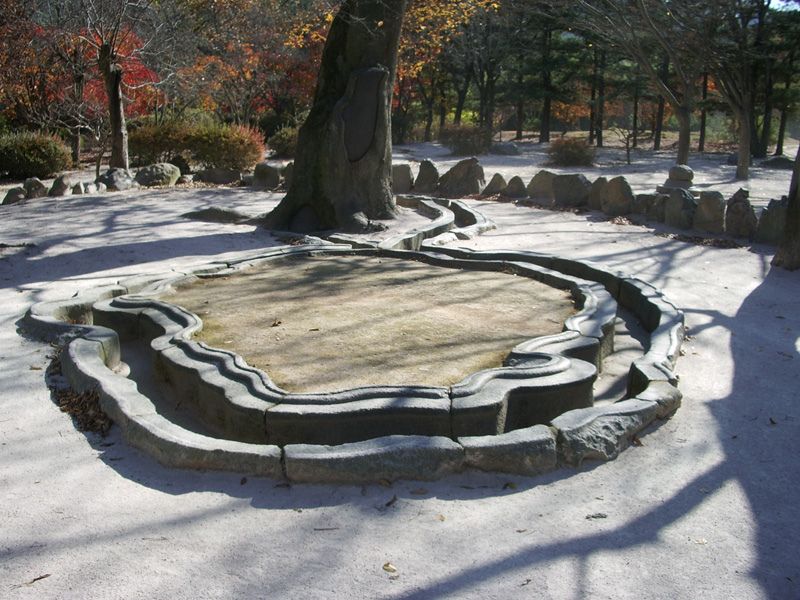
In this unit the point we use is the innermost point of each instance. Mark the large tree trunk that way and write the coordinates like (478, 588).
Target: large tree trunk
(766, 125)
(788, 255)
(343, 165)
(601, 98)
(682, 114)
(461, 97)
(547, 88)
(112, 78)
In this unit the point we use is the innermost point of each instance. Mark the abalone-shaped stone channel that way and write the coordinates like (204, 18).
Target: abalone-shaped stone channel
(335, 346)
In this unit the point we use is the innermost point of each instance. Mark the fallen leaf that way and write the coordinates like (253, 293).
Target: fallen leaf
(35, 368)
(275, 323)
(772, 421)
(389, 568)
(440, 518)
(598, 515)
(701, 541)
(391, 502)
(526, 582)
(394, 577)
(521, 530)
(326, 528)
(243, 481)
(385, 483)
(636, 441)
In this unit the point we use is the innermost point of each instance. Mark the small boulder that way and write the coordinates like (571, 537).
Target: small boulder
(402, 179)
(504, 149)
(680, 177)
(286, 175)
(62, 186)
(779, 162)
(772, 223)
(656, 204)
(102, 188)
(78, 189)
(515, 188)
(464, 179)
(570, 191)
(266, 177)
(218, 176)
(710, 214)
(495, 186)
(640, 204)
(116, 180)
(541, 186)
(159, 174)
(34, 188)
(679, 209)
(740, 218)
(427, 178)
(597, 192)
(185, 179)
(89, 187)
(617, 200)
(14, 195)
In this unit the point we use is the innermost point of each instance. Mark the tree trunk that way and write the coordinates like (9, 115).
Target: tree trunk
(766, 125)
(788, 255)
(785, 106)
(343, 165)
(593, 100)
(547, 88)
(701, 143)
(781, 131)
(635, 120)
(461, 94)
(659, 124)
(682, 114)
(601, 98)
(112, 78)
(745, 133)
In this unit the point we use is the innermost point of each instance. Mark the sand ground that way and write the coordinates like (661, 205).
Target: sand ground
(705, 507)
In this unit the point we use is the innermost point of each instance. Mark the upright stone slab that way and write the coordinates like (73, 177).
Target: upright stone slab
(679, 209)
(515, 188)
(34, 188)
(740, 218)
(427, 178)
(495, 186)
(79, 189)
(402, 179)
(62, 186)
(656, 204)
(540, 187)
(617, 200)
(597, 193)
(571, 191)
(710, 214)
(464, 179)
(266, 176)
(772, 223)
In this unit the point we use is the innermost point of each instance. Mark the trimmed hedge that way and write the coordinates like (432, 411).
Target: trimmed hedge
(466, 140)
(284, 143)
(27, 154)
(212, 145)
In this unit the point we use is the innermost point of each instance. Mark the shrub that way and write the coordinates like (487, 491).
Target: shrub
(571, 152)
(232, 147)
(150, 143)
(284, 142)
(466, 140)
(26, 154)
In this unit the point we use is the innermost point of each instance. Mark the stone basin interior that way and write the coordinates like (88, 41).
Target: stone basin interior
(328, 323)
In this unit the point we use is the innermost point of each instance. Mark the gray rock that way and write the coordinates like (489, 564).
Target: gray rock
(740, 218)
(528, 451)
(180, 162)
(679, 209)
(710, 214)
(116, 180)
(601, 432)
(681, 173)
(78, 189)
(159, 174)
(772, 224)
(90, 188)
(617, 199)
(101, 187)
(515, 188)
(14, 195)
(379, 459)
(184, 180)
(597, 192)
(427, 179)
(62, 186)
(541, 186)
(266, 177)
(34, 188)
(218, 176)
(779, 162)
(495, 186)
(402, 179)
(505, 149)
(464, 179)
(656, 206)
(286, 175)
(248, 179)
(640, 204)
(571, 191)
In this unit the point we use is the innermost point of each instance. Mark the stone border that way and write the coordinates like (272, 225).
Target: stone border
(592, 432)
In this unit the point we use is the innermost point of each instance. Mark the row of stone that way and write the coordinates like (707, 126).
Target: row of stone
(675, 203)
